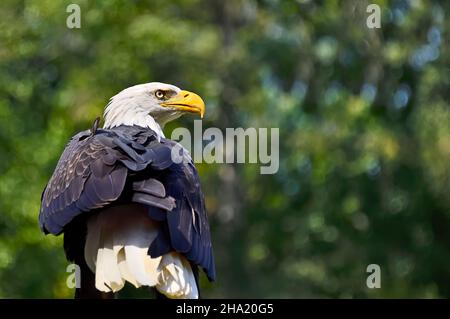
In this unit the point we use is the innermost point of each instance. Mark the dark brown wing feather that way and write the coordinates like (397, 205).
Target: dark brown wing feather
(129, 164)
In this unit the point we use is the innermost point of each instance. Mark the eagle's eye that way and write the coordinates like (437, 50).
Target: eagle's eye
(160, 94)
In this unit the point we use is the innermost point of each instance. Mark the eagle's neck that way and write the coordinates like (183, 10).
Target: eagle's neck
(117, 115)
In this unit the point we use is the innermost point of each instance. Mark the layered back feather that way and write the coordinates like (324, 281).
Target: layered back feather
(144, 214)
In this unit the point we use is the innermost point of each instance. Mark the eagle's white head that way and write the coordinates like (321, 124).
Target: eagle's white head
(151, 105)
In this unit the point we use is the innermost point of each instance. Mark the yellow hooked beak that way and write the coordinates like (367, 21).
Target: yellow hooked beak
(188, 102)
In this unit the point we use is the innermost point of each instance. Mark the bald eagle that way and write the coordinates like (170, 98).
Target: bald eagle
(128, 211)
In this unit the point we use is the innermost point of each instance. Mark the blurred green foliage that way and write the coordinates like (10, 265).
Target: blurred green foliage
(364, 134)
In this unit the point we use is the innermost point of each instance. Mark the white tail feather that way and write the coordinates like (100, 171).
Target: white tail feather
(111, 270)
(175, 281)
(116, 250)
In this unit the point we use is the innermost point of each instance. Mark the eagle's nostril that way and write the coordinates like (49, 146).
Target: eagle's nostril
(186, 95)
